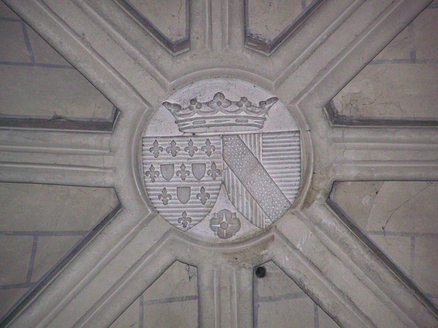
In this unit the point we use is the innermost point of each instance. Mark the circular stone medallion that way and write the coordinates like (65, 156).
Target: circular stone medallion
(221, 159)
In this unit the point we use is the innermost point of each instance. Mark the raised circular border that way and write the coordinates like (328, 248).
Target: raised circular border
(306, 163)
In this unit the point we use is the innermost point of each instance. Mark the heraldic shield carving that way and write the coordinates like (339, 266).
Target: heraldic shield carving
(222, 158)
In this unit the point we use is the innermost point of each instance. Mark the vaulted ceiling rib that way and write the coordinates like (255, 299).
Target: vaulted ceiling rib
(135, 65)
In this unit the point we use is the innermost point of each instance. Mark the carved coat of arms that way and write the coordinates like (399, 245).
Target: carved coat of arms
(222, 149)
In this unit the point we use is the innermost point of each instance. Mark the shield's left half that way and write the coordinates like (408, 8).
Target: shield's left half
(183, 176)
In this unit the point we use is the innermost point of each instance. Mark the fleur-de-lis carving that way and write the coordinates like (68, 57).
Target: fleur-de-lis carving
(208, 148)
(183, 173)
(203, 196)
(152, 173)
(191, 149)
(214, 172)
(173, 148)
(164, 196)
(184, 219)
(155, 149)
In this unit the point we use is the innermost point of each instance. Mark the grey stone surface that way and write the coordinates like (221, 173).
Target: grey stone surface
(53, 207)
(312, 243)
(9, 297)
(129, 318)
(43, 52)
(62, 92)
(268, 19)
(172, 299)
(50, 251)
(13, 39)
(169, 16)
(15, 257)
(35, 237)
(6, 12)
(425, 37)
(278, 301)
(398, 217)
(38, 82)
(400, 81)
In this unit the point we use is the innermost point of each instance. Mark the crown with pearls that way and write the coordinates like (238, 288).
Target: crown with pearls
(220, 114)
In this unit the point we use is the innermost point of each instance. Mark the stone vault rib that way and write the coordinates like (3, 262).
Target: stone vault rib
(59, 296)
(43, 156)
(385, 154)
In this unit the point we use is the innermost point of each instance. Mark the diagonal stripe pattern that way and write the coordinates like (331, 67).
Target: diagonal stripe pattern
(254, 177)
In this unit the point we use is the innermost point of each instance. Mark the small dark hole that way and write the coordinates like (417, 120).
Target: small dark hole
(260, 272)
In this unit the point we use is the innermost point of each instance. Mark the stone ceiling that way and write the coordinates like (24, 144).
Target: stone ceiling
(84, 242)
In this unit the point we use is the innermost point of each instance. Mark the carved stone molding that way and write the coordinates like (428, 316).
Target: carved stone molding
(231, 153)
(266, 42)
(204, 174)
(173, 44)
